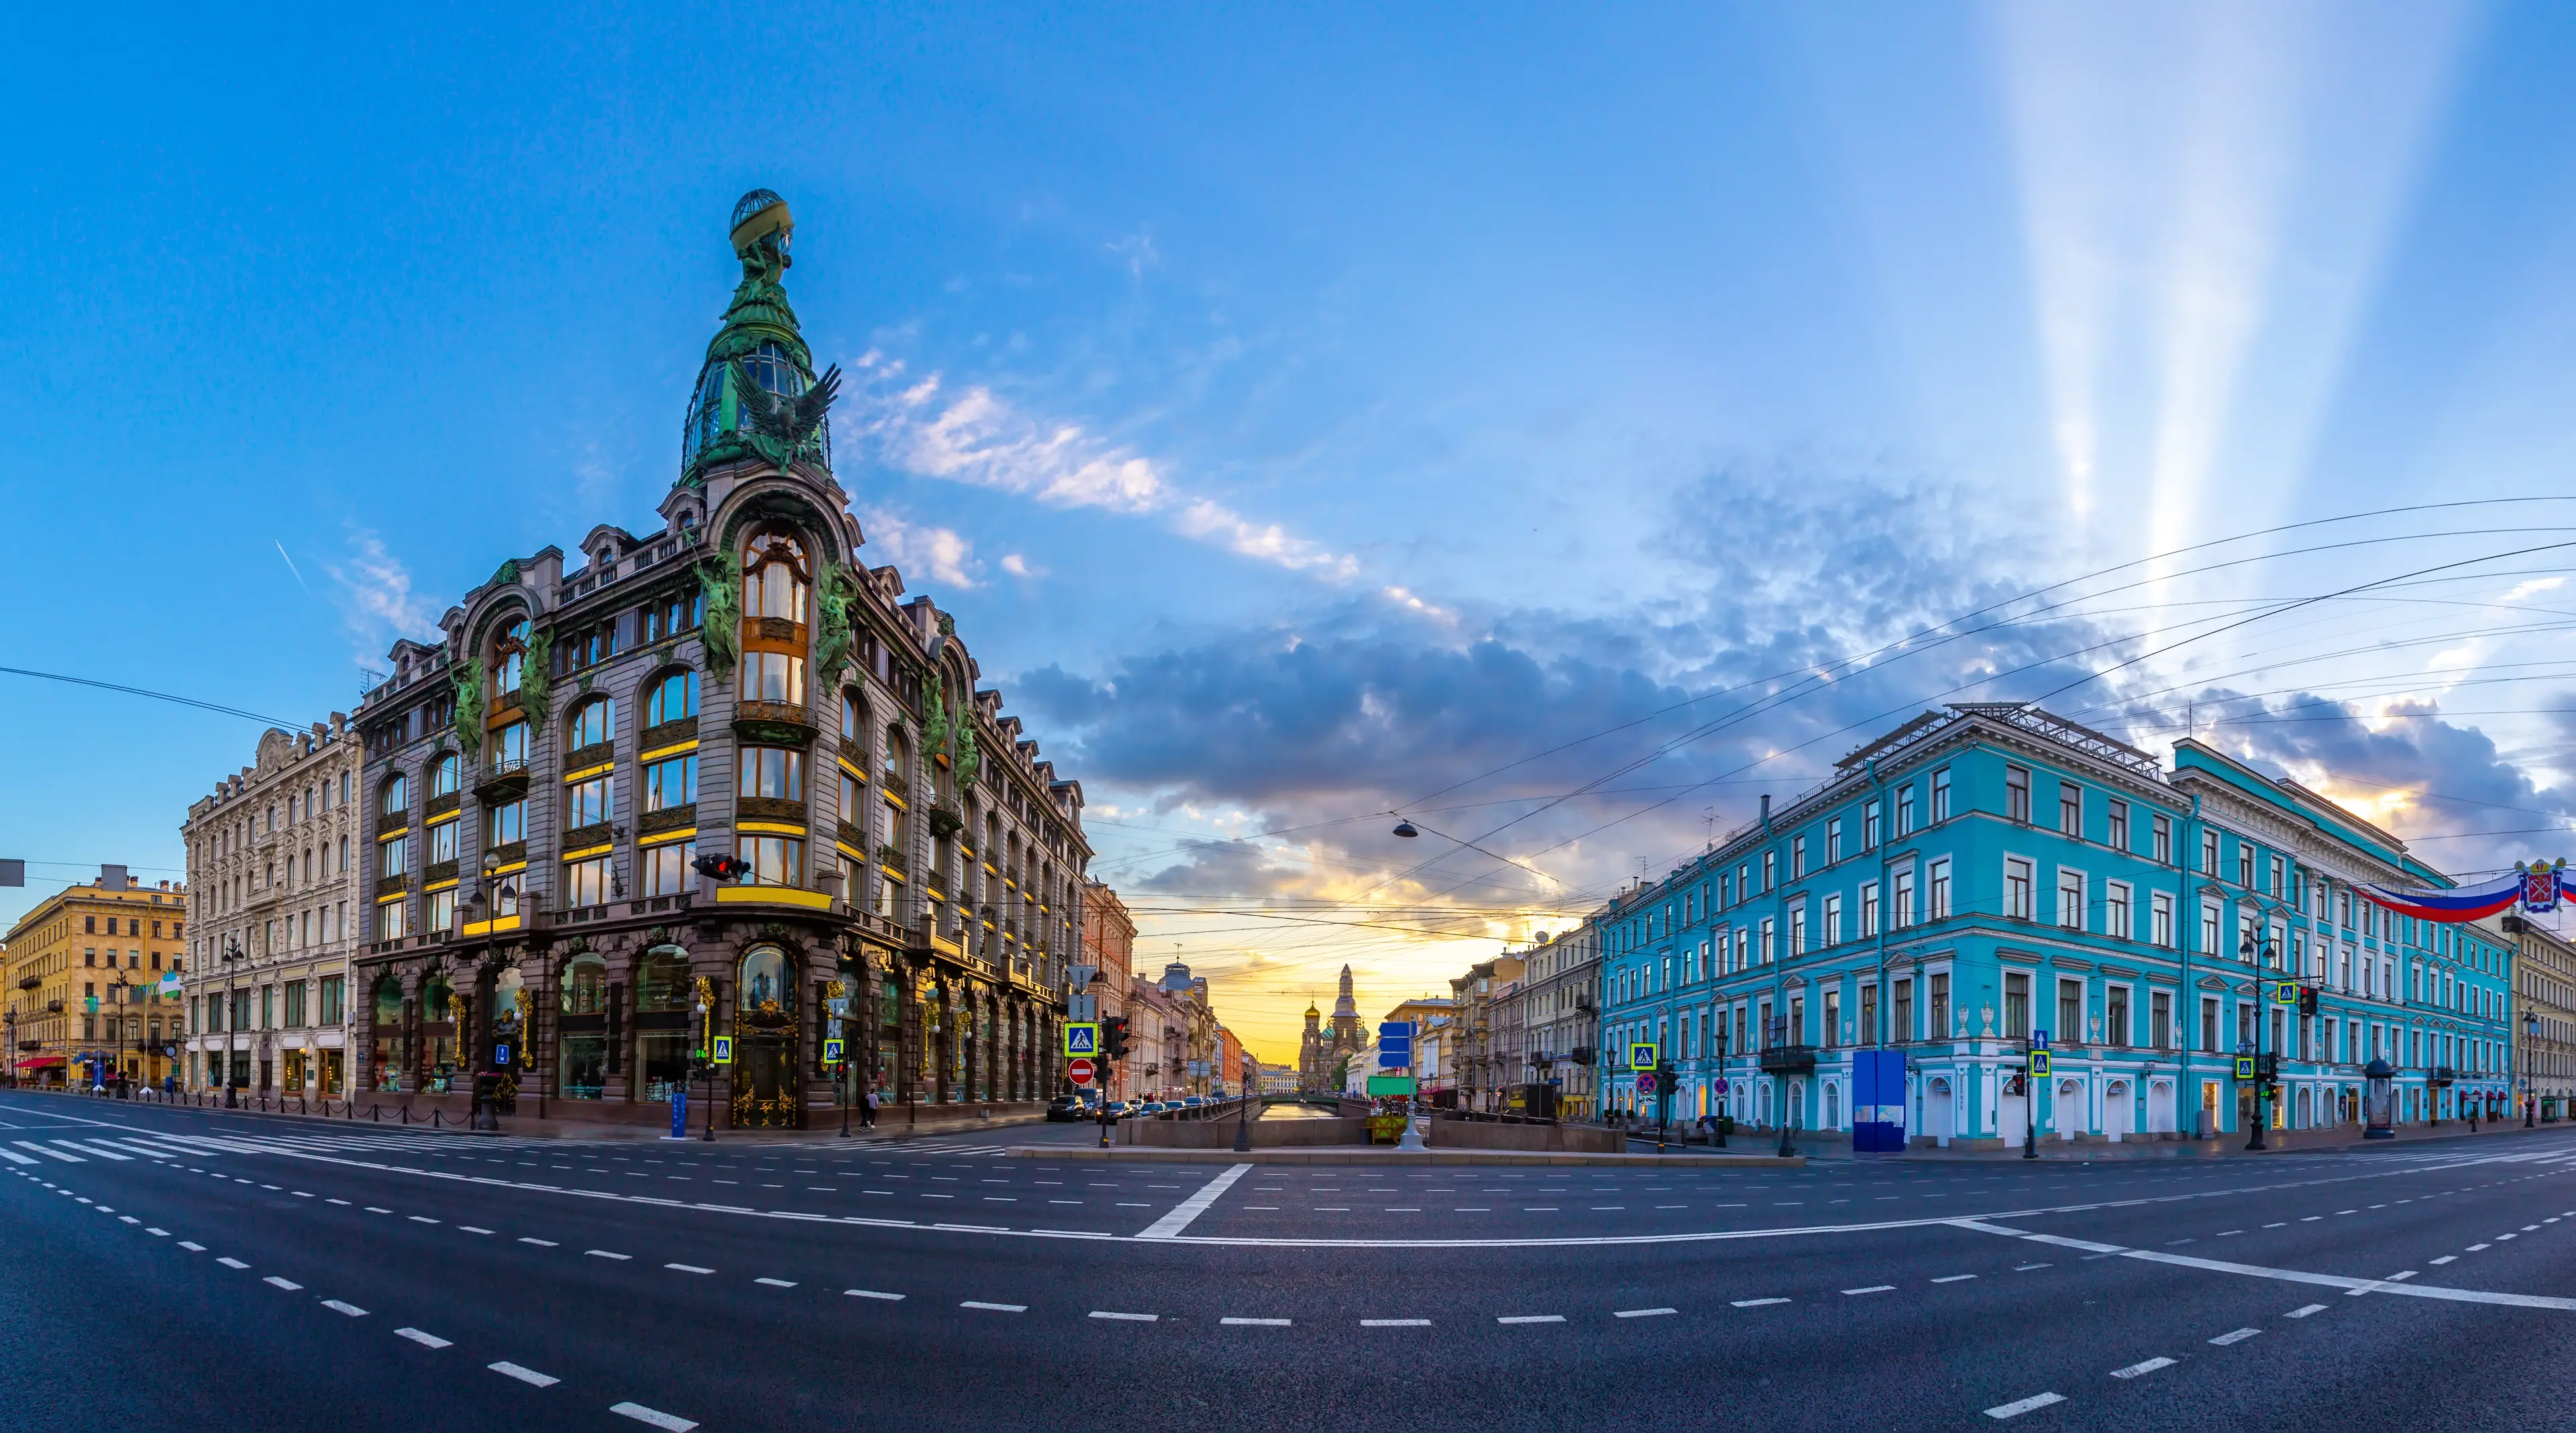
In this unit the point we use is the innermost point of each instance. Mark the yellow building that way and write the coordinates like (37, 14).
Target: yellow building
(83, 978)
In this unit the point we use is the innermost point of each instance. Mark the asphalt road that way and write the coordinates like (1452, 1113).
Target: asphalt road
(182, 1266)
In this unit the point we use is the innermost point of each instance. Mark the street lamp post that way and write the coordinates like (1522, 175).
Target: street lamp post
(232, 1026)
(2029, 1104)
(2261, 955)
(2530, 1092)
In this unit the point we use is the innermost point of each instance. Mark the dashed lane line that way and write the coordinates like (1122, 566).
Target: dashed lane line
(2140, 1370)
(1642, 1313)
(652, 1416)
(425, 1340)
(1115, 1316)
(287, 1284)
(1255, 1323)
(508, 1369)
(1530, 1319)
(2020, 1406)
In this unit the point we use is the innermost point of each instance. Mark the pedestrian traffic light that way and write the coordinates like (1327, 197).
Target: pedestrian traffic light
(721, 868)
(1113, 1037)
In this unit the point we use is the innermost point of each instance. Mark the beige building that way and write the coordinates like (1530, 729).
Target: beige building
(84, 975)
(271, 853)
(2544, 1016)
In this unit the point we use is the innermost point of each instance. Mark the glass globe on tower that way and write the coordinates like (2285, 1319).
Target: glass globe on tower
(759, 345)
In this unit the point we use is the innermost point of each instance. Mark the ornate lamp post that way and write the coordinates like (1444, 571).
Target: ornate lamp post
(232, 1090)
(2262, 955)
(2530, 1091)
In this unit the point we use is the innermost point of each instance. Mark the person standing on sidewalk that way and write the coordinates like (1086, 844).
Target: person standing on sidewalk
(868, 1109)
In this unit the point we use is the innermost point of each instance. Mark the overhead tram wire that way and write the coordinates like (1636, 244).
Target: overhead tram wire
(2090, 677)
(216, 707)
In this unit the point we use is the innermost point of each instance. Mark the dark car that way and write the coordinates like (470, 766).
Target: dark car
(1069, 1107)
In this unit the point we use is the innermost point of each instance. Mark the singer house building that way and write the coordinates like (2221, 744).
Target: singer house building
(713, 788)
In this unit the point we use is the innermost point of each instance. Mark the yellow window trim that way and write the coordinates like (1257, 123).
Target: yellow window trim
(512, 869)
(769, 828)
(675, 749)
(393, 900)
(588, 772)
(861, 776)
(434, 890)
(586, 852)
(775, 895)
(850, 851)
(665, 838)
(444, 817)
(895, 801)
(891, 874)
(398, 832)
(488, 927)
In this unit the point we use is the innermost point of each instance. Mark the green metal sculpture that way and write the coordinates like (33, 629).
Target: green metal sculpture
(780, 428)
(720, 582)
(536, 678)
(466, 678)
(835, 590)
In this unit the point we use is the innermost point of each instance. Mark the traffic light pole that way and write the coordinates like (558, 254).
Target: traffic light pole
(2029, 1105)
(2261, 1019)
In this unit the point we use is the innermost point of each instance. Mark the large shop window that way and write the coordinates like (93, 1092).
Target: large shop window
(667, 997)
(582, 1061)
(387, 1055)
(765, 986)
(438, 1028)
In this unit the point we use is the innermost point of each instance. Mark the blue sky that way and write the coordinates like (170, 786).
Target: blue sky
(1310, 412)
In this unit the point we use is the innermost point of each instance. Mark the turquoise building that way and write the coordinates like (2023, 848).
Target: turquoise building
(1989, 873)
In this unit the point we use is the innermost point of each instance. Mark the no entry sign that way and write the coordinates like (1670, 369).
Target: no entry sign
(1078, 1070)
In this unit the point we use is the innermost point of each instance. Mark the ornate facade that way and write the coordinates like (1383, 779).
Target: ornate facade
(272, 856)
(543, 785)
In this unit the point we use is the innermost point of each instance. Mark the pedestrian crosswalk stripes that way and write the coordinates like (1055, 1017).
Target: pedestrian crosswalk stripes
(160, 1144)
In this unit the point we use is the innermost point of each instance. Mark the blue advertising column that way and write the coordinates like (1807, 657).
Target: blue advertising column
(1878, 1101)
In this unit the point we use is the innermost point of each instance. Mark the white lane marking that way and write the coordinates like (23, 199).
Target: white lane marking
(653, 1416)
(2300, 1276)
(192, 1247)
(370, 1208)
(2136, 1370)
(91, 1149)
(341, 1202)
(688, 1268)
(352, 1310)
(127, 1219)
(776, 1283)
(425, 1340)
(231, 1263)
(508, 1369)
(1642, 1313)
(1873, 1289)
(1530, 1319)
(2401, 1276)
(157, 1233)
(1197, 1204)
(2235, 1336)
(49, 1153)
(2446, 1258)
(871, 1294)
(287, 1284)
(2474, 1248)
(1256, 1323)
(470, 1229)
(1757, 1303)
(995, 1308)
(1952, 1278)
(1127, 1318)
(605, 1254)
(2304, 1310)
(540, 1243)
(15, 1157)
(1395, 1323)
(2020, 1406)
(422, 1219)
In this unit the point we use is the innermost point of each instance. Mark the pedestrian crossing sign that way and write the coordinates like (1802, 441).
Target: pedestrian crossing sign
(2245, 1067)
(724, 1050)
(1082, 1039)
(2285, 992)
(1641, 1054)
(2039, 1063)
(831, 1052)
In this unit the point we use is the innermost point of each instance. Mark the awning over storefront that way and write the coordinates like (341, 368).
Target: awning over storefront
(40, 1062)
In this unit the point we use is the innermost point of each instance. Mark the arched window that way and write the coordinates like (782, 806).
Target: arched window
(442, 775)
(509, 662)
(585, 985)
(854, 722)
(674, 698)
(764, 984)
(662, 980)
(388, 1001)
(774, 577)
(898, 763)
(396, 804)
(592, 722)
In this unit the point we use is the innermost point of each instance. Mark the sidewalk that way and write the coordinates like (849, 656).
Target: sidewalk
(2334, 1141)
(1385, 1154)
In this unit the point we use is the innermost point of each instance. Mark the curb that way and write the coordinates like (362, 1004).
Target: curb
(1337, 1154)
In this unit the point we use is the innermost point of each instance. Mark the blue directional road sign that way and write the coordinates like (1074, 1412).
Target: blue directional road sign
(1395, 1045)
(2039, 1039)
(501, 1056)
(679, 1113)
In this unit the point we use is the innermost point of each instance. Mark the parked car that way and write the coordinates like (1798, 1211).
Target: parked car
(1068, 1107)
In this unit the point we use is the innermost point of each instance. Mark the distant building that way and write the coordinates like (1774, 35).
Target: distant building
(1109, 942)
(1320, 1052)
(83, 972)
(1560, 1016)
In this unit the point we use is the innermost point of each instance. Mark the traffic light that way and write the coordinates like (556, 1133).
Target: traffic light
(1113, 1037)
(2307, 1000)
(2013, 1084)
(721, 868)
(1665, 1080)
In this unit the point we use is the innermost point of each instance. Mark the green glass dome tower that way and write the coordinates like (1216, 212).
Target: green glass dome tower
(758, 344)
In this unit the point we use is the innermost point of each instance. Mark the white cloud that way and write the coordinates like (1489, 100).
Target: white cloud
(942, 552)
(1138, 252)
(376, 597)
(980, 438)
(1018, 566)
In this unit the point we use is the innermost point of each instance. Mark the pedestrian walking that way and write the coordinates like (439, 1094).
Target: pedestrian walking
(868, 1110)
